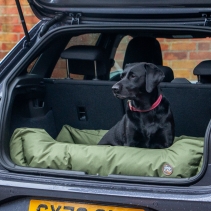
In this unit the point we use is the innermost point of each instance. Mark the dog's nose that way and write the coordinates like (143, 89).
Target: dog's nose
(116, 88)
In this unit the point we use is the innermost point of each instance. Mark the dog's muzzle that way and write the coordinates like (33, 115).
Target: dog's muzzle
(117, 91)
(116, 88)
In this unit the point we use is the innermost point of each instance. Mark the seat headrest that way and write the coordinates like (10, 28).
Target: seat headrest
(81, 60)
(143, 49)
(203, 71)
(168, 72)
(203, 68)
(84, 52)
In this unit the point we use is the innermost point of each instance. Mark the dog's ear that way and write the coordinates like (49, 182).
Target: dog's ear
(153, 76)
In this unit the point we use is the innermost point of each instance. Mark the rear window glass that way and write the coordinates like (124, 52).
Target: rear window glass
(182, 55)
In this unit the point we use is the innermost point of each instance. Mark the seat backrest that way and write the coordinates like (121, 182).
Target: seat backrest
(203, 72)
(191, 107)
(83, 104)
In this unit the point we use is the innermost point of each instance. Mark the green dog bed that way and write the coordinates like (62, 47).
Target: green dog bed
(77, 150)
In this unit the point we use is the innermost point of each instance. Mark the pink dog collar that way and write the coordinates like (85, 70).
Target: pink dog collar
(157, 102)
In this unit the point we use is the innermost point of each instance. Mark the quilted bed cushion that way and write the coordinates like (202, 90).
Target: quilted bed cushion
(76, 150)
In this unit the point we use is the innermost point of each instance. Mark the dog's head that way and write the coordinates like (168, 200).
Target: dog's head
(137, 78)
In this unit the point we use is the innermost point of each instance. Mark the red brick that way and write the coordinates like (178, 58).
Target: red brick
(21, 35)
(17, 28)
(175, 55)
(1, 11)
(27, 10)
(29, 26)
(164, 46)
(204, 46)
(58, 73)
(24, 2)
(184, 46)
(160, 40)
(167, 63)
(7, 46)
(183, 64)
(77, 77)
(2, 55)
(12, 9)
(8, 37)
(63, 64)
(183, 74)
(11, 19)
(6, 27)
(200, 55)
(9, 10)
(9, 2)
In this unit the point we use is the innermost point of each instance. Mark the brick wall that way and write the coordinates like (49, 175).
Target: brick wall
(181, 55)
(10, 26)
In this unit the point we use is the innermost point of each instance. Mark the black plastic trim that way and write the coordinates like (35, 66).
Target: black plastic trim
(123, 3)
(46, 9)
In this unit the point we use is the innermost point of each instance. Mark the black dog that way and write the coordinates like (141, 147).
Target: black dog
(148, 122)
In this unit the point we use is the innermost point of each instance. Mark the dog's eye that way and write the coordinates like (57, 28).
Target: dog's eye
(132, 75)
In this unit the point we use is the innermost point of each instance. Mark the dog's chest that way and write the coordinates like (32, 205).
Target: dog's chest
(144, 123)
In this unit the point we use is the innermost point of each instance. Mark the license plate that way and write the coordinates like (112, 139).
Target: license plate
(40, 205)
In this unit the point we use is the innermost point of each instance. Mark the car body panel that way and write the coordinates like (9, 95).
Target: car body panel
(20, 185)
